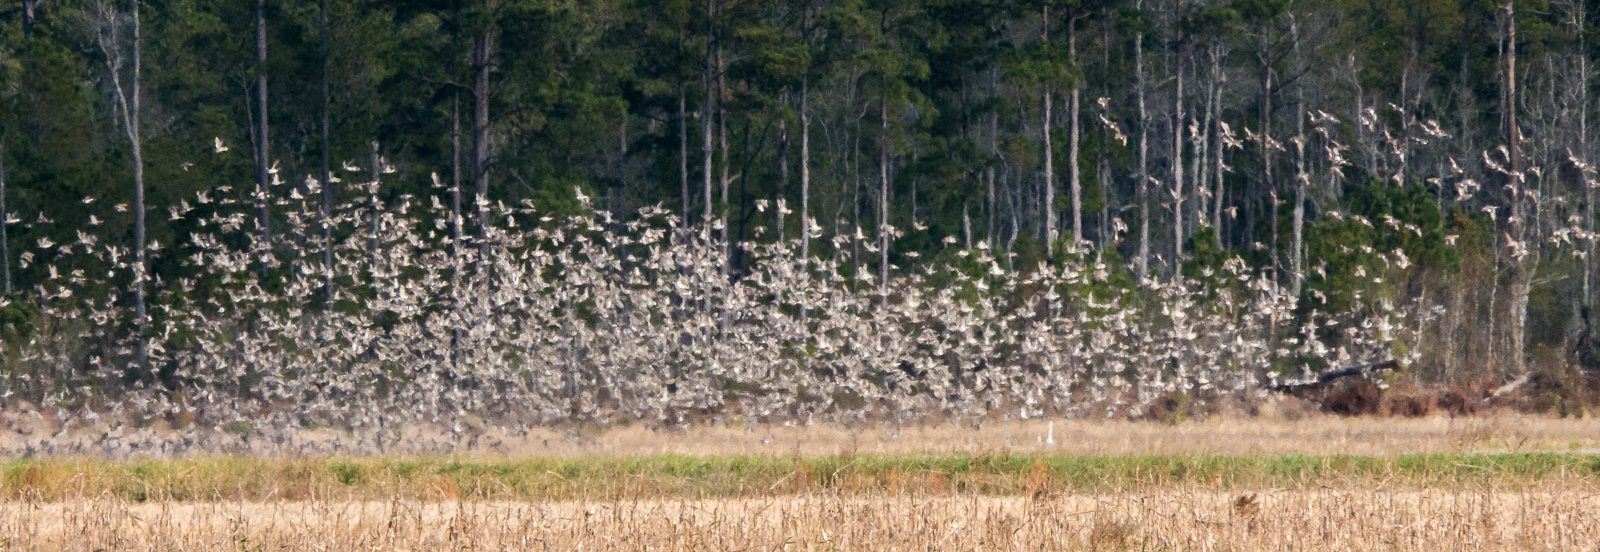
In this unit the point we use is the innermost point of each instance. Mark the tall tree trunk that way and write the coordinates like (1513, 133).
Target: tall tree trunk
(805, 168)
(1075, 183)
(683, 136)
(455, 176)
(724, 178)
(1106, 231)
(966, 223)
(5, 239)
(1049, 152)
(1405, 121)
(1267, 184)
(1144, 154)
(1177, 164)
(326, 203)
(1200, 160)
(855, 195)
(1297, 253)
(136, 142)
(482, 56)
(1221, 188)
(727, 161)
(883, 201)
(127, 102)
(373, 202)
(683, 154)
(1049, 184)
(779, 203)
(28, 15)
(263, 218)
(456, 334)
(1521, 280)
(993, 231)
(1580, 28)
(708, 109)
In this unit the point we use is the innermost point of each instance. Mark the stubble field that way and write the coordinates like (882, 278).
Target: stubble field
(1498, 482)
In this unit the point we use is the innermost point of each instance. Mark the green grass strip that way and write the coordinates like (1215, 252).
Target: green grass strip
(664, 476)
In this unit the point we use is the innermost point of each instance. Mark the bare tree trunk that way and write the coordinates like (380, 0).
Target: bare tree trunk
(455, 176)
(455, 226)
(137, 144)
(1103, 172)
(1463, 94)
(1297, 254)
(1049, 154)
(727, 161)
(1073, 154)
(263, 218)
(482, 58)
(28, 17)
(966, 223)
(5, 239)
(805, 168)
(1221, 188)
(377, 183)
(1144, 155)
(1177, 165)
(1200, 136)
(708, 110)
(1267, 183)
(1049, 183)
(1521, 280)
(683, 154)
(1580, 28)
(779, 202)
(127, 101)
(1405, 121)
(883, 201)
(993, 230)
(855, 202)
(326, 203)
(683, 137)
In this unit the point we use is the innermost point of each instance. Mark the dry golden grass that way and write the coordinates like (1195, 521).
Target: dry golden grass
(1227, 484)
(1282, 429)
(1310, 434)
(1551, 518)
(669, 476)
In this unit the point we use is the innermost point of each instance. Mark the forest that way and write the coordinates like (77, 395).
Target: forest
(537, 211)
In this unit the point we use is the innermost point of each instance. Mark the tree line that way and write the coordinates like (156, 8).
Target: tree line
(1310, 139)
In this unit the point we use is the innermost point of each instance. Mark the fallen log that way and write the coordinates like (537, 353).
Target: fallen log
(1331, 375)
(1508, 388)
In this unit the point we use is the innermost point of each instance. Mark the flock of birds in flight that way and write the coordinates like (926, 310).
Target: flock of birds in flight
(593, 318)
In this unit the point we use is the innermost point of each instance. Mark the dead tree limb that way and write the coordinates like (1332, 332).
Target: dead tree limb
(1329, 376)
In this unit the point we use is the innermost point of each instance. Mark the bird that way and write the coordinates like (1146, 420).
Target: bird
(217, 145)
